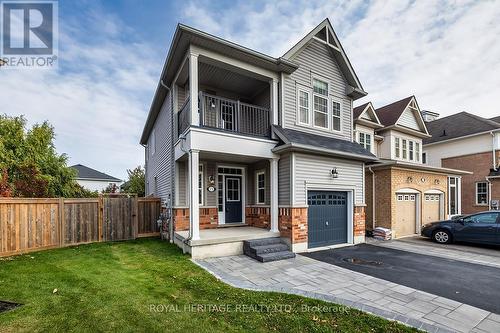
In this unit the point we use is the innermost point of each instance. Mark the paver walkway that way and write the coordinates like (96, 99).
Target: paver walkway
(467, 253)
(312, 278)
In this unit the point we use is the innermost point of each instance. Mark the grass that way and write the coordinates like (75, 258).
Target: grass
(111, 287)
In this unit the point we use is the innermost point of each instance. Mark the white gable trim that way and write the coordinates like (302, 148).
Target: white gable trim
(416, 113)
(369, 107)
(334, 47)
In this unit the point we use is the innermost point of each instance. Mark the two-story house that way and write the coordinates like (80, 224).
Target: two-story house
(471, 143)
(402, 193)
(243, 145)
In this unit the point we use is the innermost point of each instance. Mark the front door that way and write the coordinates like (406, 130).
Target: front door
(233, 200)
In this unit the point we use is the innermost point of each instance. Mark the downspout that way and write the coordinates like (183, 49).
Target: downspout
(489, 192)
(493, 150)
(373, 198)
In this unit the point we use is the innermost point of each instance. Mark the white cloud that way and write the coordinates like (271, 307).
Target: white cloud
(444, 52)
(97, 100)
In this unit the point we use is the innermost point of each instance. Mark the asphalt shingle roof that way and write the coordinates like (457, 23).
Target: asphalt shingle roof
(389, 114)
(458, 125)
(496, 119)
(89, 173)
(313, 140)
(356, 112)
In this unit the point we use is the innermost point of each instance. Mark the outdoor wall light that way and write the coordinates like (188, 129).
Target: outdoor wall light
(335, 173)
(212, 104)
(211, 180)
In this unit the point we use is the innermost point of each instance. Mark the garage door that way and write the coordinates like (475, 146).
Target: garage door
(327, 218)
(431, 208)
(405, 214)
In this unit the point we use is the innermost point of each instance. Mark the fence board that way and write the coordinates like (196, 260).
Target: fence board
(28, 224)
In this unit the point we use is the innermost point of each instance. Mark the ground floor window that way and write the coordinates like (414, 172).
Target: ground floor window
(453, 193)
(482, 193)
(260, 187)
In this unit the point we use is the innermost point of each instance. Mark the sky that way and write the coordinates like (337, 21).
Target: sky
(111, 53)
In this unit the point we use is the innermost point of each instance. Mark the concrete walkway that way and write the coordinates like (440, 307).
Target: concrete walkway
(462, 252)
(315, 279)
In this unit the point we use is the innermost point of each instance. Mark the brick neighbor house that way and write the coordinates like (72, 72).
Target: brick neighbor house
(468, 142)
(402, 193)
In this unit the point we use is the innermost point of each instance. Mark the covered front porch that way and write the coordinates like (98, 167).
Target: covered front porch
(220, 241)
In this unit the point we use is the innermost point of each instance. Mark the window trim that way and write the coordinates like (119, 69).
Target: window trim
(404, 149)
(239, 189)
(336, 100)
(326, 97)
(397, 147)
(257, 188)
(477, 193)
(370, 135)
(201, 185)
(309, 106)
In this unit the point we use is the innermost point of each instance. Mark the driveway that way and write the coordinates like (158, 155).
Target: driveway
(465, 282)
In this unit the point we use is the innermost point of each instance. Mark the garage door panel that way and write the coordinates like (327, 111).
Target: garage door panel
(327, 218)
(405, 214)
(431, 208)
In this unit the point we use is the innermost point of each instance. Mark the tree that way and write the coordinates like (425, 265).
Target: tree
(29, 163)
(136, 182)
(111, 188)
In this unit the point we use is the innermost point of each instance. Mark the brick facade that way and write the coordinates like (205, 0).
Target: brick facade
(388, 182)
(209, 218)
(480, 164)
(259, 217)
(292, 224)
(359, 220)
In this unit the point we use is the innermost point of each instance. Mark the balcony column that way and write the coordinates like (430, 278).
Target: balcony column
(193, 88)
(274, 102)
(274, 194)
(194, 203)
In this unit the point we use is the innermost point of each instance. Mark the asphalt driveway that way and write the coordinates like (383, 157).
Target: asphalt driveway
(465, 282)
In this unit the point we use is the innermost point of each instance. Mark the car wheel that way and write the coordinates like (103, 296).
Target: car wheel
(442, 236)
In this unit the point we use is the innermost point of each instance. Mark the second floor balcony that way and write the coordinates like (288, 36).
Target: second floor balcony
(228, 115)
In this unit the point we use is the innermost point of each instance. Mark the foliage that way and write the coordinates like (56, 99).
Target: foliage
(136, 182)
(148, 285)
(29, 163)
(111, 188)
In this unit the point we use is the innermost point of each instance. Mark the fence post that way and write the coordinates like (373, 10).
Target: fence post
(100, 218)
(61, 222)
(135, 217)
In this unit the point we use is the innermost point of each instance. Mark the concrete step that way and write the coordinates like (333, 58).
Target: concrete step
(262, 241)
(267, 257)
(271, 248)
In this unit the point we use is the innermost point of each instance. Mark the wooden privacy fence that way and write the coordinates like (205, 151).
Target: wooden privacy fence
(35, 224)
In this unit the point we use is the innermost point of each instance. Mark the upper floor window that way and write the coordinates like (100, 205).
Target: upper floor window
(304, 107)
(482, 193)
(336, 116)
(417, 151)
(320, 87)
(365, 140)
(260, 187)
(424, 158)
(405, 149)
(397, 147)
(411, 152)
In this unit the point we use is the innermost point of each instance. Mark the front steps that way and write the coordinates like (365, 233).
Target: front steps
(267, 249)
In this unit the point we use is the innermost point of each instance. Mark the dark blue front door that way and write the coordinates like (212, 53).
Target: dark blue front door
(327, 218)
(233, 200)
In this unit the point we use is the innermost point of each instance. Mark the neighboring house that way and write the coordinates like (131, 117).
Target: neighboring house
(402, 193)
(94, 180)
(471, 143)
(236, 137)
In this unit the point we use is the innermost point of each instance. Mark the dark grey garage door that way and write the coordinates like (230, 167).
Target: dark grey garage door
(327, 218)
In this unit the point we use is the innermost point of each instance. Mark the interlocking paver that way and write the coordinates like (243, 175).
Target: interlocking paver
(311, 278)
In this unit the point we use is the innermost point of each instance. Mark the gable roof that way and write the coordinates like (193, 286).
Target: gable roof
(367, 108)
(184, 36)
(459, 125)
(391, 114)
(84, 172)
(325, 29)
(495, 119)
(293, 139)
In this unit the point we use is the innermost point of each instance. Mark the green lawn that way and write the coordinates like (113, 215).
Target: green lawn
(111, 287)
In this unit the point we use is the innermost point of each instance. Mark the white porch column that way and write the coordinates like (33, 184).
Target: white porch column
(193, 88)
(194, 204)
(274, 102)
(274, 194)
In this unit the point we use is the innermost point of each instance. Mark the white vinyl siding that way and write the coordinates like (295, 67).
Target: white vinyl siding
(315, 172)
(408, 119)
(159, 162)
(316, 62)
